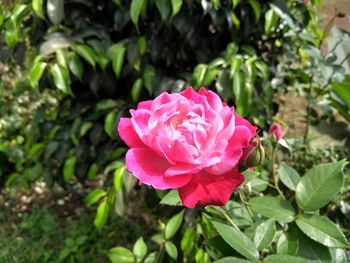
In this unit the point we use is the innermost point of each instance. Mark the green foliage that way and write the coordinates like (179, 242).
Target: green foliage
(84, 63)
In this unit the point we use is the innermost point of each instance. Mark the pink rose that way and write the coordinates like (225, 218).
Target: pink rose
(276, 131)
(190, 141)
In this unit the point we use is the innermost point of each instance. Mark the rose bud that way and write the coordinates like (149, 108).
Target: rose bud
(253, 155)
(276, 131)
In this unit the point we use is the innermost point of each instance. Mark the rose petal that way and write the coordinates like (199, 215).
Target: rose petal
(212, 98)
(208, 189)
(241, 121)
(146, 105)
(128, 134)
(139, 121)
(150, 168)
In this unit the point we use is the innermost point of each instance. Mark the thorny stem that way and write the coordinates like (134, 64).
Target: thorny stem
(246, 205)
(227, 217)
(273, 171)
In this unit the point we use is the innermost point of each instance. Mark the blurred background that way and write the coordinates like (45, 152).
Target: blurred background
(70, 68)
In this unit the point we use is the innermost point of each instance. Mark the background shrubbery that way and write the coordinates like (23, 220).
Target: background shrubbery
(70, 69)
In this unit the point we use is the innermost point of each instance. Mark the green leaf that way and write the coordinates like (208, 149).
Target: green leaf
(87, 53)
(140, 249)
(117, 53)
(148, 77)
(284, 259)
(237, 240)
(338, 255)
(271, 20)
(264, 234)
(110, 125)
(93, 169)
(235, 3)
(283, 12)
(322, 230)
(75, 66)
(120, 255)
(313, 251)
(288, 176)
(69, 168)
(199, 74)
(101, 216)
(232, 260)
(171, 250)
(176, 6)
(36, 72)
(142, 44)
(188, 241)
(136, 90)
(106, 104)
(320, 185)
(94, 196)
(85, 128)
(288, 243)
(55, 11)
(37, 6)
(273, 207)
(163, 7)
(256, 8)
(118, 178)
(173, 225)
(343, 91)
(135, 10)
(172, 198)
(61, 78)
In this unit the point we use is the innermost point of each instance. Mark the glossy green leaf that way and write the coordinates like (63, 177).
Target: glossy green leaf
(92, 172)
(106, 104)
(101, 215)
(283, 12)
(320, 185)
(55, 11)
(171, 250)
(120, 255)
(235, 3)
(37, 6)
(313, 251)
(61, 78)
(75, 66)
(136, 90)
(148, 77)
(288, 176)
(172, 198)
(284, 259)
(237, 240)
(135, 10)
(85, 128)
(175, 6)
(199, 74)
(273, 207)
(118, 178)
(69, 168)
(94, 196)
(164, 8)
(188, 241)
(264, 234)
(322, 230)
(343, 91)
(142, 44)
(256, 8)
(140, 249)
(117, 53)
(271, 20)
(36, 73)
(173, 225)
(87, 53)
(232, 260)
(110, 125)
(338, 255)
(288, 243)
